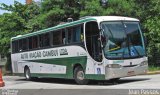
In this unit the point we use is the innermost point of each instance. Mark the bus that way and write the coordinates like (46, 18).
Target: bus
(91, 48)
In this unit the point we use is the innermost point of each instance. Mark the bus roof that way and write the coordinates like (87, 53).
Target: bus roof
(114, 18)
(82, 20)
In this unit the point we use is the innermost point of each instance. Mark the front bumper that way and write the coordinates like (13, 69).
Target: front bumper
(111, 73)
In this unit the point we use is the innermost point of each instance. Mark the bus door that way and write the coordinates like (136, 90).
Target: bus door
(93, 45)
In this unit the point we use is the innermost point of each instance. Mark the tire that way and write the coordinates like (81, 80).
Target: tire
(114, 81)
(27, 73)
(79, 76)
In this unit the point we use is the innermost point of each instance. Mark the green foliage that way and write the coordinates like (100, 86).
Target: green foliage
(92, 8)
(15, 23)
(11, 25)
(152, 27)
(56, 11)
(153, 68)
(121, 7)
(29, 18)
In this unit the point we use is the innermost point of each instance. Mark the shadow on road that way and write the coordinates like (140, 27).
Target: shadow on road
(92, 82)
(121, 81)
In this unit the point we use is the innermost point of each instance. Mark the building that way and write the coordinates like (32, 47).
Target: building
(38, 2)
(28, 1)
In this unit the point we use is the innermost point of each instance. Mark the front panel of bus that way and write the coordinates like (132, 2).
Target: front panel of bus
(123, 49)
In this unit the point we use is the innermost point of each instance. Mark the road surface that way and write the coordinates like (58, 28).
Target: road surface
(135, 82)
(65, 87)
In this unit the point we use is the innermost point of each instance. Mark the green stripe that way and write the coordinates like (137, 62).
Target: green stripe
(61, 61)
(69, 62)
(87, 76)
(54, 28)
(46, 75)
(50, 75)
(95, 76)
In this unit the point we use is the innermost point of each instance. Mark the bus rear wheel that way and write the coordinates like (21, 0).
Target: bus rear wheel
(27, 73)
(79, 76)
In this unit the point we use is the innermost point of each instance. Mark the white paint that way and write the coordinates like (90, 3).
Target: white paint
(127, 62)
(92, 67)
(18, 63)
(42, 68)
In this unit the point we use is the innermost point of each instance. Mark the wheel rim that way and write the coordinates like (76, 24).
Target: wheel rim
(80, 75)
(27, 74)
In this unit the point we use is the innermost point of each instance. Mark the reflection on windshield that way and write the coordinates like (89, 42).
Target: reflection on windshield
(124, 40)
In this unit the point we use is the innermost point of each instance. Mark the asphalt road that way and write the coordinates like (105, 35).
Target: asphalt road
(65, 87)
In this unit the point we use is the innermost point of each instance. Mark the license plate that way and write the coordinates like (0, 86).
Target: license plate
(130, 73)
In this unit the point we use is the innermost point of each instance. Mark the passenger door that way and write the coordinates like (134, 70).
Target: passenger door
(93, 45)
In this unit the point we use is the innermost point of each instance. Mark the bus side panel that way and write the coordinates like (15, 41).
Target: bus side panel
(52, 62)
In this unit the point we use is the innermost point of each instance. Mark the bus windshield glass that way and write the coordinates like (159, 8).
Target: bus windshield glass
(124, 39)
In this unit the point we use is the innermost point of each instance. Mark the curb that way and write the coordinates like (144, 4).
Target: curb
(153, 72)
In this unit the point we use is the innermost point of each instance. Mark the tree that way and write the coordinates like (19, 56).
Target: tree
(29, 18)
(114, 7)
(55, 11)
(17, 22)
(152, 27)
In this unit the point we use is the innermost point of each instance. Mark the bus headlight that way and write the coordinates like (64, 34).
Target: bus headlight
(113, 66)
(144, 63)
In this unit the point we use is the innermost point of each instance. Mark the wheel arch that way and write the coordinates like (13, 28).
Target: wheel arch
(76, 65)
(76, 68)
(25, 67)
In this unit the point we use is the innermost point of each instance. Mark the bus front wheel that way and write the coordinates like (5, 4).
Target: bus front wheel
(79, 76)
(27, 73)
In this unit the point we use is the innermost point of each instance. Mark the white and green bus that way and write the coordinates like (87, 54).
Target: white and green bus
(92, 48)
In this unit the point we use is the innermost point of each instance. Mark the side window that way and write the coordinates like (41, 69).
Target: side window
(78, 34)
(75, 34)
(57, 37)
(15, 46)
(33, 42)
(20, 44)
(64, 38)
(44, 40)
(30, 42)
(24, 44)
(70, 35)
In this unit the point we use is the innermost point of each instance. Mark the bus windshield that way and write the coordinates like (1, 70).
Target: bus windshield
(124, 39)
